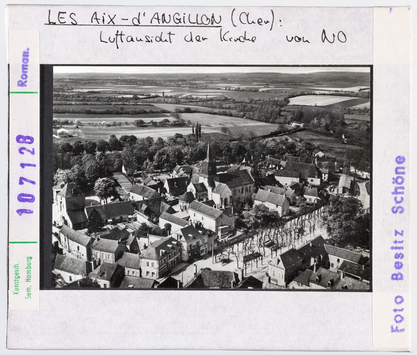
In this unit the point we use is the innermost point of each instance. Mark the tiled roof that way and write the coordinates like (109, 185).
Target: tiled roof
(250, 282)
(343, 253)
(112, 210)
(345, 180)
(130, 260)
(164, 207)
(144, 191)
(187, 197)
(77, 217)
(114, 234)
(177, 186)
(323, 276)
(275, 189)
(205, 210)
(153, 251)
(71, 265)
(235, 179)
(219, 187)
(69, 190)
(267, 196)
(137, 282)
(269, 180)
(209, 203)
(297, 170)
(106, 245)
(360, 271)
(200, 187)
(190, 233)
(105, 271)
(123, 181)
(303, 278)
(208, 278)
(291, 257)
(173, 219)
(314, 248)
(311, 191)
(75, 236)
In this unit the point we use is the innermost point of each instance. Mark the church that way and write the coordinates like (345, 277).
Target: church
(225, 189)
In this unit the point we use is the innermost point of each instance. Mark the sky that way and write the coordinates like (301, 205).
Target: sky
(200, 69)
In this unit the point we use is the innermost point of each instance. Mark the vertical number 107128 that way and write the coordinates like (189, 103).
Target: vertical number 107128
(25, 197)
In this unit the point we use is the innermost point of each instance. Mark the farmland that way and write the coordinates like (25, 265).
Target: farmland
(326, 100)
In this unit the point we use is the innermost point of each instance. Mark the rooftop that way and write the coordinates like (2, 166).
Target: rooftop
(112, 210)
(268, 196)
(205, 210)
(71, 265)
(343, 253)
(129, 260)
(157, 249)
(144, 191)
(137, 282)
(75, 236)
(173, 219)
(106, 245)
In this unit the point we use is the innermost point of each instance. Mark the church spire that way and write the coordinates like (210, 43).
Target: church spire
(208, 166)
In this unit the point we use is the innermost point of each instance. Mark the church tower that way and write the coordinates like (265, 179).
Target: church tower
(208, 169)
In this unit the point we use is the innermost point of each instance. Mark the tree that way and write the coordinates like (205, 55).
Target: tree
(105, 188)
(346, 221)
(90, 147)
(78, 148)
(102, 146)
(95, 222)
(114, 143)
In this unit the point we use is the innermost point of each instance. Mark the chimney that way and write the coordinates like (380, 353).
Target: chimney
(195, 269)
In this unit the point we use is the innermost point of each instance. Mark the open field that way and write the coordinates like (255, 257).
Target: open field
(357, 117)
(321, 100)
(209, 120)
(102, 132)
(366, 105)
(83, 118)
(330, 145)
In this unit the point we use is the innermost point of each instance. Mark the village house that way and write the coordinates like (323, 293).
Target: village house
(185, 199)
(273, 201)
(157, 185)
(68, 207)
(345, 184)
(75, 243)
(175, 222)
(160, 257)
(176, 186)
(311, 195)
(142, 192)
(220, 222)
(283, 269)
(321, 279)
(199, 191)
(131, 264)
(123, 181)
(195, 242)
(338, 255)
(106, 250)
(113, 212)
(71, 269)
(108, 275)
(213, 279)
(138, 282)
(300, 173)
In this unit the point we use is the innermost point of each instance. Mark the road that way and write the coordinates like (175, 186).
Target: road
(184, 272)
(363, 196)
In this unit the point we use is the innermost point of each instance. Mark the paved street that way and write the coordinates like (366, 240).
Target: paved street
(184, 272)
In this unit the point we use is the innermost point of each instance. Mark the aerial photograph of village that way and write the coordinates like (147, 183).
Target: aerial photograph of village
(217, 177)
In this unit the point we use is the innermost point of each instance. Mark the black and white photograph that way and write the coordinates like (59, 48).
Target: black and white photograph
(211, 177)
